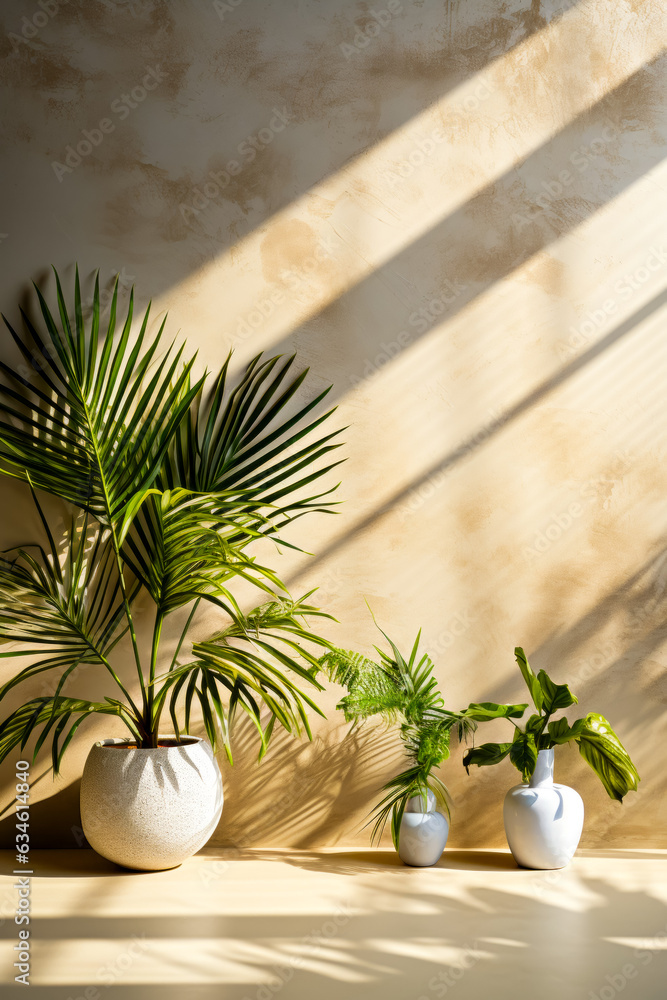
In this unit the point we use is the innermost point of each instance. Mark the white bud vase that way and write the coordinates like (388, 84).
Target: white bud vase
(423, 832)
(543, 821)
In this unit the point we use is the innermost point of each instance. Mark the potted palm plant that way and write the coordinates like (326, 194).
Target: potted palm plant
(166, 484)
(543, 820)
(403, 691)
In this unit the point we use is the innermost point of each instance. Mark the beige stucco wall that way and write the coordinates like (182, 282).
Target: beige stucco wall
(459, 221)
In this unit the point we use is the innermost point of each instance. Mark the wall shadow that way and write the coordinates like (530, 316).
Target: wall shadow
(489, 237)
(54, 821)
(303, 793)
(436, 472)
(338, 103)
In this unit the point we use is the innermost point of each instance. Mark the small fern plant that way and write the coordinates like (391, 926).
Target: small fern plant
(405, 693)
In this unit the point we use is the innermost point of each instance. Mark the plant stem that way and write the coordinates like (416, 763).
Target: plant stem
(154, 722)
(116, 549)
(538, 735)
(184, 633)
(157, 703)
(130, 622)
(120, 684)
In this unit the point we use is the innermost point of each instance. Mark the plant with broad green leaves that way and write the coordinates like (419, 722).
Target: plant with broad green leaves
(166, 485)
(598, 743)
(402, 692)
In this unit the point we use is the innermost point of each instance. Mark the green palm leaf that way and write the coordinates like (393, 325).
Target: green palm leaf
(86, 427)
(252, 440)
(72, 612)
(180, 546)
(54, 713)
(170, 487)
(249, 664)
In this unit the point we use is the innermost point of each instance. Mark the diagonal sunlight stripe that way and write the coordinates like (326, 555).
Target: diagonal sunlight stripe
(357, 219)
(475, 441)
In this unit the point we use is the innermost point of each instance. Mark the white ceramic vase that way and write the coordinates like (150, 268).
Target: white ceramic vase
(150, 809)
(423, 833)
(543, 820)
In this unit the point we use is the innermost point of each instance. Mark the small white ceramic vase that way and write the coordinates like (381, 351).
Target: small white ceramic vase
(423, 832)
(150, 809)
(543, 821)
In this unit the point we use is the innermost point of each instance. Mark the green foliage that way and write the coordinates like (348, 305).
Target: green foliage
(486, 754)
(601, 748)
(598, 743)
(523, 753)
(486, 710)
(371, 691)
(55, 713)
(529, 677)
(404, 692)
(167, 485)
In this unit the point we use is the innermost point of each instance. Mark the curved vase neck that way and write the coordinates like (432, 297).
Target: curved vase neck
(544, 769)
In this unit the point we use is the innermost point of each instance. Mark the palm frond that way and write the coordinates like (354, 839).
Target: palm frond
(72, 612)
(394, 686)
(179, 545)
(85, 426)
(414, 781)
(371, 689)
(247, 441)
(249, 665)
(54, 713)
(171, 486)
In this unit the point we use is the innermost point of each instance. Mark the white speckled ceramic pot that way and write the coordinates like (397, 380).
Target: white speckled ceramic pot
(150, 809)
(543, 821)
(423, 833)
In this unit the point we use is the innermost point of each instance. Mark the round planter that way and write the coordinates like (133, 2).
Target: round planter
(543, 820)
(150, 809)
(423, 833)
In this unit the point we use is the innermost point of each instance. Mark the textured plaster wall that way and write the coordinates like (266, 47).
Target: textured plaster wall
(455, 213)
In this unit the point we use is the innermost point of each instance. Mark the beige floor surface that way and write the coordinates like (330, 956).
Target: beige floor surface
(314, 925)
